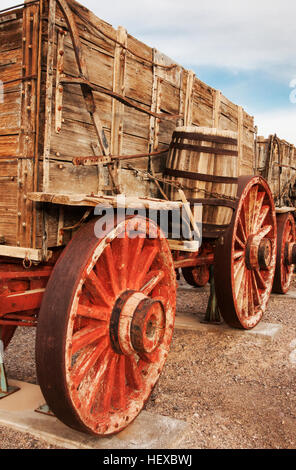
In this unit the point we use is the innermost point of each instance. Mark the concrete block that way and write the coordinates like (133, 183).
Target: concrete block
(290, 295)
(148, 431)
(266, 331)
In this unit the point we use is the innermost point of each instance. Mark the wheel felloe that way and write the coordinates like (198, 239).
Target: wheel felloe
(245, 256)
(103, 338)
(286, 253)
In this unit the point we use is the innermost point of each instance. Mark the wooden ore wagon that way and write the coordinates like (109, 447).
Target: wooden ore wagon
(93, 119)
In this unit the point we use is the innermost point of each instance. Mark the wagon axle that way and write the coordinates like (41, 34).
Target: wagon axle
(290, 253)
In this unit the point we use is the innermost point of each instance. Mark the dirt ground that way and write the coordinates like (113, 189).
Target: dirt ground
(235, 391)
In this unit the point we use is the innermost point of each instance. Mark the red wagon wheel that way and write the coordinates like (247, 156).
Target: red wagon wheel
(6, 334)
(245, 256)
(196, 277)
(286, 253)
(105, 325)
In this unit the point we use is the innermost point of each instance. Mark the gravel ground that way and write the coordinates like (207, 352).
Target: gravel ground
(235, 391)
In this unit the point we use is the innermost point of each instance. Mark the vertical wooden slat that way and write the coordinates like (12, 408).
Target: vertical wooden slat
(49, 93)
(240, 124)
(59, 88)
(119, 69)
(188, 99)
(28, 124)
(216, 108)
(118, 87)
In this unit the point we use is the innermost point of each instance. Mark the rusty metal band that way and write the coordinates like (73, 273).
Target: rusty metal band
(16, 157)
(122, 99)
(200, 177)
(216, 139)
(95, 160)
(19, 6)
(203, 149)
(20, 79)
(214, 202)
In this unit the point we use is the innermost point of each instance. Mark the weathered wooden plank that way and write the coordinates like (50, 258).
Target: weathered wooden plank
(138, 85)
(11, 35)
(67, 177)
(9, 145)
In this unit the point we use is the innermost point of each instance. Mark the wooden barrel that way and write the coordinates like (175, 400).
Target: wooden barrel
(205, 162)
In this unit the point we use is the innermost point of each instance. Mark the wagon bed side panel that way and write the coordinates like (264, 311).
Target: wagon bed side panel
(19, 31)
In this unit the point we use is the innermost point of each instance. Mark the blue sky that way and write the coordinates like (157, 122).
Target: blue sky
(245, 49)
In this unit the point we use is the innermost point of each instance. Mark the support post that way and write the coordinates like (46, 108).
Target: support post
(213, 314)
(5, 389)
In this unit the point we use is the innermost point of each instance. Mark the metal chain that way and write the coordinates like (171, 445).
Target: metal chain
(180, 185)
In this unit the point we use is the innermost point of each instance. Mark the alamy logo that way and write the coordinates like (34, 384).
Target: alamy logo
(1, 352)
(293, 92)
(175, 224)
(1, 92)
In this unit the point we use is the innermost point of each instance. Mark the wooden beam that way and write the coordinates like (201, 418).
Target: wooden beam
(113, 201)
(23, 253)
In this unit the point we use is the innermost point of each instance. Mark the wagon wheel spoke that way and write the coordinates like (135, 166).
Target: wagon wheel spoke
(149, 254)
(109, 382)
(120, 388)
(136, 247)
(94, 312)
(97, 289)
(250, 251)
(258, 209)
(133, 374)
(151, 281)
(86, 362)
(118, 323)
(112, 271)
(123, 262)
(262, 217)
(93, 391)
(86, 336)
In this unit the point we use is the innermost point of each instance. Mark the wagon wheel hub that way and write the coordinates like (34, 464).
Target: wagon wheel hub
(290, 253)
(258, 253)
(137, 323)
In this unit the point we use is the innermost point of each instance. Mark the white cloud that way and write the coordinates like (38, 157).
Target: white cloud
(232, 33)
(282, 122)
(236, 34)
